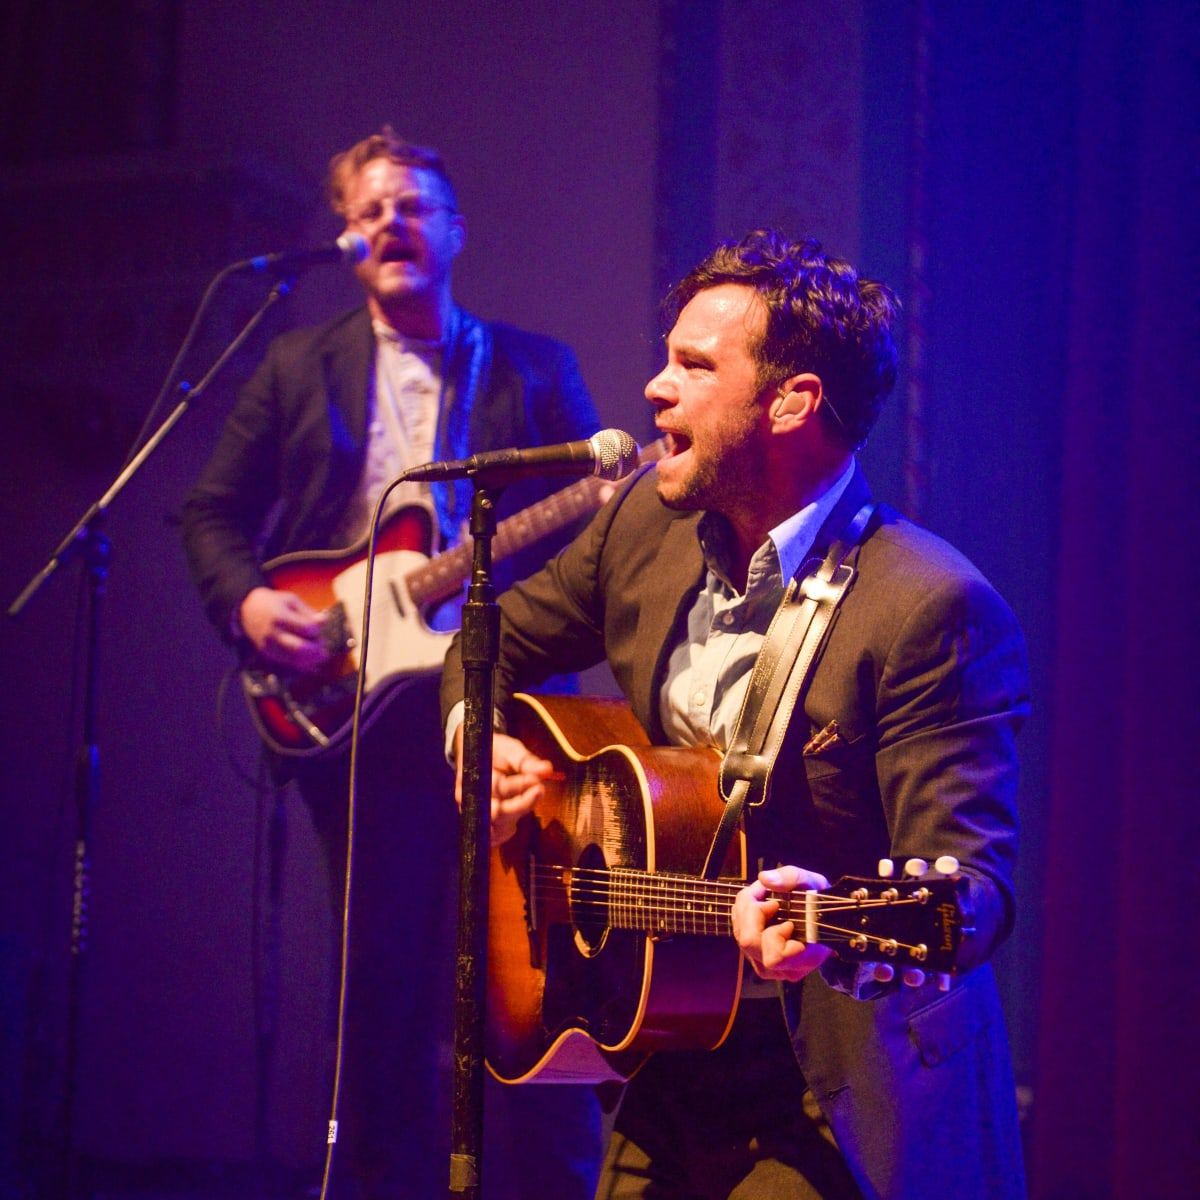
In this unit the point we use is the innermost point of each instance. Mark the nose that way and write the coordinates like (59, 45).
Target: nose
(395, 223)
(660, 391)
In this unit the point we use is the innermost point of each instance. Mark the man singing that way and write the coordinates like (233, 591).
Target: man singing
(330, 416)
(833, 1082)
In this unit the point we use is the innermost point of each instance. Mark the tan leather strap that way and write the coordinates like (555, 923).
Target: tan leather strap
(781, 673)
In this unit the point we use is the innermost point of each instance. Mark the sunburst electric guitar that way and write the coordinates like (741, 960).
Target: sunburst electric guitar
(604, 945)
(310, 715)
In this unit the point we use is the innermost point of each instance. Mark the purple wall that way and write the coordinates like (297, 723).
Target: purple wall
(598, 150)
(548, 122)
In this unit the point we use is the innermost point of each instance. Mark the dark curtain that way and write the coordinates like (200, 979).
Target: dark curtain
(80, 78)
(1117, 1044)
(1058, 202)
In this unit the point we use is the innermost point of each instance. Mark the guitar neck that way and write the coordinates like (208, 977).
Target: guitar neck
(444, 575)
(856, 919)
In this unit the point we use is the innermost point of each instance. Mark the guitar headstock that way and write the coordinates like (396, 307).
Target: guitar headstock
(913, 924)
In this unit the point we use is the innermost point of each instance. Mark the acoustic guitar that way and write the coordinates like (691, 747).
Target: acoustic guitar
(604, 945)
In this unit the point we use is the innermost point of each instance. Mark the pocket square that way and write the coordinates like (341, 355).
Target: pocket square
(823, 739)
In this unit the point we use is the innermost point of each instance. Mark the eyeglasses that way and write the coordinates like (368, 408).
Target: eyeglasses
(412, 210)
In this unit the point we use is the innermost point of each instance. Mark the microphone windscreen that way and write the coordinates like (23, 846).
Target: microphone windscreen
(616, 454)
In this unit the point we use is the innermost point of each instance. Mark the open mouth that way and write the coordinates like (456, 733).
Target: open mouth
(396, 252)
(677, 443)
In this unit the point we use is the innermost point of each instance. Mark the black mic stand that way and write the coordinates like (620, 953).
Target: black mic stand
(86, 538)
(480, 651)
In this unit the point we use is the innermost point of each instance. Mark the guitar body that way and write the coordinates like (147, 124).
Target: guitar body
(605, 944)
(571, 997)
(303, 715)
(310, 716)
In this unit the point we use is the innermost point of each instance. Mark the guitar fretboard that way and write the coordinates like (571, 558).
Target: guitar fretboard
(663, 904)
(660, 903)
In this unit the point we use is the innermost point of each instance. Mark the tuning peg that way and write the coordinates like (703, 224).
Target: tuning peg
(916, 867)
(947, 864)
(913, 977)
(944, 981)
(884, 973)
(887, 868)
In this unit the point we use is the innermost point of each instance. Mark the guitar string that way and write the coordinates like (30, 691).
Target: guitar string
(619, 892)
(686, 888)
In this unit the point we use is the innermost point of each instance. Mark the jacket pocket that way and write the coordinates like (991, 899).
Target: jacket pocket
(944, 1026)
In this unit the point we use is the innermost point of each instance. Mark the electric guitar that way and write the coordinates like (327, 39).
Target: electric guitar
(310, 715)
(604, 945)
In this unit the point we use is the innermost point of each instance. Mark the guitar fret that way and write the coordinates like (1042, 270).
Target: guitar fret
(667, 904)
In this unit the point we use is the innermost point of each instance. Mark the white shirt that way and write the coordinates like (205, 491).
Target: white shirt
(709, 670)
(402, 414)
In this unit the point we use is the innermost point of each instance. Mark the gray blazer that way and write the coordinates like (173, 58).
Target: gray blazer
(925, 673)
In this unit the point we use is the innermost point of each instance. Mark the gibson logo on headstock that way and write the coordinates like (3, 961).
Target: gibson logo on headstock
(948, 914)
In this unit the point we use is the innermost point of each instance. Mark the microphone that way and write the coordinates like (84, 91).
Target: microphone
(611, 454)
(349, 248)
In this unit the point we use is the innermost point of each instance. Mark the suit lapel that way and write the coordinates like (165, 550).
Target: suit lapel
(857, 494)
(346, 357)
(347, 361)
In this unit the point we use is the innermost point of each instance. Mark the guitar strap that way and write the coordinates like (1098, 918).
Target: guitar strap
(780, 676)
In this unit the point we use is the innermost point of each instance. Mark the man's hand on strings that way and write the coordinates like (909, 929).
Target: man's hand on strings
(284, 629)
(517, 776)
(773, 948)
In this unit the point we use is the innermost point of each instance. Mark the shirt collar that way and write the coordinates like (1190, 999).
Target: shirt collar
(385, 333)
(794, 537)
(791, 540)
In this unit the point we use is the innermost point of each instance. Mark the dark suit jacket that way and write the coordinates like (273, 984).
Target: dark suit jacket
(291, 453)
(925, 673)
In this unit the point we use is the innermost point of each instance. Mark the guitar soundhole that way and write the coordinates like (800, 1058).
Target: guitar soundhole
(589, 897)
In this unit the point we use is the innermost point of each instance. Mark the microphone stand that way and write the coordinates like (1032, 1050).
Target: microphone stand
(87, 539)
(480, 651)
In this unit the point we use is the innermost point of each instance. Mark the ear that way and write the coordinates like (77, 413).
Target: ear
(796, 399)
(458, 234)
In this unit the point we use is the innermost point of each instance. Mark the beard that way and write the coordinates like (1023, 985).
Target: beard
(723, 473)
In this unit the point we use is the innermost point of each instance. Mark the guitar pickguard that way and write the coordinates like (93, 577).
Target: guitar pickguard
(400, 642)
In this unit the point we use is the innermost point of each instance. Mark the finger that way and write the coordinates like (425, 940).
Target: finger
(507, 753)
(750, 917)
(287, 652)
(792, 960)
(300, 652)
(298, 607)
(506, 816)
(790, 879)
(775, 942)
(534, 767)
(310, 628)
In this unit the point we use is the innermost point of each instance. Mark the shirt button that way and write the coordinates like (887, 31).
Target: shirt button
(727, 618)
(698, 699)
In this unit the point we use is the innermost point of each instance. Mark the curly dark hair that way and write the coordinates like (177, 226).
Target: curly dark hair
(822, 317)
(384, 144)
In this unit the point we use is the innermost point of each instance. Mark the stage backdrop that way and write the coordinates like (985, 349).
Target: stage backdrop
(1023, 173)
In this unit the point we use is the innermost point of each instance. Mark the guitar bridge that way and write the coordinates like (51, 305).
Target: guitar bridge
(531, 911)
(531, 894)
